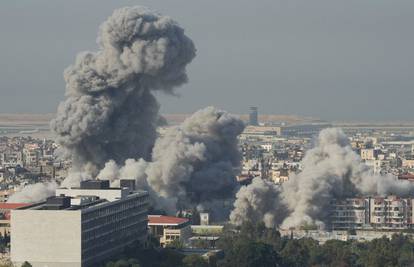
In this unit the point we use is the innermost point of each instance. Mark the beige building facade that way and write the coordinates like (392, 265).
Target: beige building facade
(68, 231)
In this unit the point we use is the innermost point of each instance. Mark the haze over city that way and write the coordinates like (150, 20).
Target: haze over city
(336, 60)
(186, 134)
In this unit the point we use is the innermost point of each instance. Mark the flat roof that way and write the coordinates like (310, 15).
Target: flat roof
(86, 205)
(44, 205)
(166, 220)
(90, 189)
(12, 206)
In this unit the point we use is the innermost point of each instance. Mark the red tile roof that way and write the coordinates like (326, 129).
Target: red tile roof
(408, 176)
(12, 206)
(165, 220)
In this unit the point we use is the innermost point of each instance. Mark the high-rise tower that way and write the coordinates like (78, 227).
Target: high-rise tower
(253, 116)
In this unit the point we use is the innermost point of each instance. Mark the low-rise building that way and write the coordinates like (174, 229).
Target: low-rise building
(167, 228)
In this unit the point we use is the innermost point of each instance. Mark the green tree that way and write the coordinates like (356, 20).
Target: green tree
(335, 253)
(176, 243)
(250, 254)
(379, 253)
(194, 261)
(26, 264)
(298, 252)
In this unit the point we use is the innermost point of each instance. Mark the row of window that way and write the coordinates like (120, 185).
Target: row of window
(115, 207)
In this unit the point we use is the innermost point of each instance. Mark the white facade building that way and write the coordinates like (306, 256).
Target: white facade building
(78, 231)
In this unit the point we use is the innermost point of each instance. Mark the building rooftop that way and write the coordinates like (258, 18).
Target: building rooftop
(408, 176)
(12, 206)
(166, 220)
(70, 203)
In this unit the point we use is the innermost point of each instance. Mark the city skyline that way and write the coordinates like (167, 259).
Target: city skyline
(271, 134)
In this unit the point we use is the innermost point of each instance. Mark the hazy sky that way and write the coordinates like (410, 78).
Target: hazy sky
(347, 60)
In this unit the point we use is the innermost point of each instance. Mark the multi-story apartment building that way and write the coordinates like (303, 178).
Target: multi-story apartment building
(389, 212)
(11, 157)
(81, 230)
(369, 154)
(350, 213)
(31, 154)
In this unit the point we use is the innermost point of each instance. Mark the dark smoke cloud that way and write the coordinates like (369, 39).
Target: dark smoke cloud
(107, 124)
(193, 165)
(196, 161)
(110, 112)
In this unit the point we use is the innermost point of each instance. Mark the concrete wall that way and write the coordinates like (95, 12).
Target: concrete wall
(33, 238)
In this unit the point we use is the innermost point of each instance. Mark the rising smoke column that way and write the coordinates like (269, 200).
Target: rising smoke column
(329, 170)
(195, 162)
(258, 202)
(333, 170)
(109, 111)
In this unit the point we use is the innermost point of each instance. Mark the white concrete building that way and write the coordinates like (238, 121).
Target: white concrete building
(78, 231)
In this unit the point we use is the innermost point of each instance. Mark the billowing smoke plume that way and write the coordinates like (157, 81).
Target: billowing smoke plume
(192, 164)
(33, 193)
(110, 112)
(259, 201)
(110, 117)
(107, 125)
(195, 162)
(330, 170)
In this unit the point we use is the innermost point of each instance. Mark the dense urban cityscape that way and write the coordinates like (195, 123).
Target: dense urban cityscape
(271, 151)
(115, 177)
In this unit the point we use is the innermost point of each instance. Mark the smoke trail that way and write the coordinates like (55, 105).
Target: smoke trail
(329, 170)
(33, 193)
(110, 112)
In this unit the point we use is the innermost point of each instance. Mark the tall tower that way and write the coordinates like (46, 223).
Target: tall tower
(253, 116)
